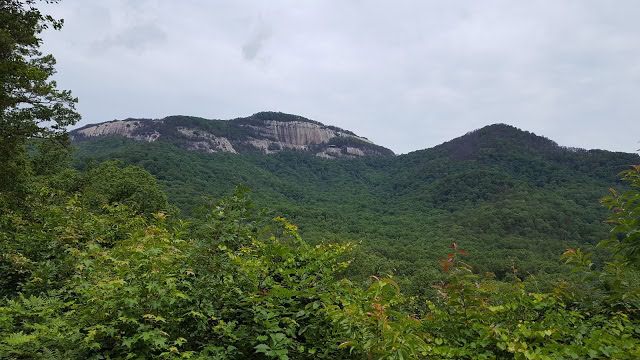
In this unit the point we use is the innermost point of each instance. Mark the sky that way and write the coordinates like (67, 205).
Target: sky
(408, 75)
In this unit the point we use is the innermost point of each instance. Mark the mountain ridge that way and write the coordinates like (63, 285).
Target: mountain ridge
(335, 142)
(266, 132)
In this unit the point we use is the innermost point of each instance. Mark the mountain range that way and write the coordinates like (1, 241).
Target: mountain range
(509, 197)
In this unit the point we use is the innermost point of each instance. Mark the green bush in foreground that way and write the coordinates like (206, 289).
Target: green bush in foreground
(252, 288)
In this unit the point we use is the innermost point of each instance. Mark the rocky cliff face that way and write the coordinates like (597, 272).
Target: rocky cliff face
(266, 132)
(126, 128)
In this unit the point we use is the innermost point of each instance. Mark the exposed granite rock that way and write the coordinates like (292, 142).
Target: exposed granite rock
(263, 132)
(124, 128)
(344, 152)
(206, 142)
(300, 133)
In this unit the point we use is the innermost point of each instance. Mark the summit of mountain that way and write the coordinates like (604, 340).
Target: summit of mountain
(497, 137)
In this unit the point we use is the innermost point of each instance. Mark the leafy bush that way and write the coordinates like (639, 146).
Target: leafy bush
(239, 290)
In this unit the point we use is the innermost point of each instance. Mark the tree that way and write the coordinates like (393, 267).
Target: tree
(619, 276)
(31, 106)
(624, 238)
(112, 183)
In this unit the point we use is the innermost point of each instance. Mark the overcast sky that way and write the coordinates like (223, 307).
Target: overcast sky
(406, 74)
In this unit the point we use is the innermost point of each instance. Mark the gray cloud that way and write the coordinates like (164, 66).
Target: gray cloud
(406, 74)
(256, 42)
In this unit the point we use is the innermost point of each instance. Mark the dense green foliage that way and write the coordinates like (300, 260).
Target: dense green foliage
(502, 193)
(97, 264)
(131, 186)
(30, 104)
(237, 282)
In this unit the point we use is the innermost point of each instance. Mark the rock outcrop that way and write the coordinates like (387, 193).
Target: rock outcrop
(266, 132)
(119, 127)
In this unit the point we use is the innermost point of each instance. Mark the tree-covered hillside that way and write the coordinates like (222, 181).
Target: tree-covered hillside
(508, 195)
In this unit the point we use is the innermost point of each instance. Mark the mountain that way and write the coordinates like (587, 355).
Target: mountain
(500, 193)
(265, 132)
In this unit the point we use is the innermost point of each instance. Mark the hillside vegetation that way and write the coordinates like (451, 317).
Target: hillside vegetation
(481, 248)
(509, 196)
(97, 264)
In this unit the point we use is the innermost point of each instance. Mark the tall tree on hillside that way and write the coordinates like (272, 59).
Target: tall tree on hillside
(31, 106)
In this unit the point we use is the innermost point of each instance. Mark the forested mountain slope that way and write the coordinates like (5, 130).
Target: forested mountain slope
(505, 194)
